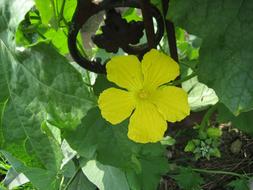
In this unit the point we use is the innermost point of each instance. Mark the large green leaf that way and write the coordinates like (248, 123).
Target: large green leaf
(2, 108)
(95, 137)
(40, 177)
(55, 84)
(69, 8)
(12, 12)
(152, 169)
(52, 12)
(21, 126)
(199, 95)
(37, 84)
(226, 52)
(48, 11)
(34, 85)
(81, 182)
(105, 177)
(187, 179)
(239, 184)
(14, 179)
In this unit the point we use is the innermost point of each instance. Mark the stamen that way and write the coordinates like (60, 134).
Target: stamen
(143, 94)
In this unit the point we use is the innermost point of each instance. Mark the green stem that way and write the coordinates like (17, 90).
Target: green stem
(187, 65)
(177, 82)
(62, 11)
(41, 35)
(162, 49)
(220, 172)
(35, 17)
(54, 7)
(72, 179)
(207, 116)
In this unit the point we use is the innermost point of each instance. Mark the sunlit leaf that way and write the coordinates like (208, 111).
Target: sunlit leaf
(226, 52)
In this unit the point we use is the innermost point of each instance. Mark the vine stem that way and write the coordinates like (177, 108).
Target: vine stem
(72, 179)
(207, 116)
(55, 8)
(61, 11)
(187, 65)
(178, 82)
(220, 172)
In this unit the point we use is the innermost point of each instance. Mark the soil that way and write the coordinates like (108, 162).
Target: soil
(239, 159)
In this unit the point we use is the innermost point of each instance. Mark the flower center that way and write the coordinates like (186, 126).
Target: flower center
(143, 94)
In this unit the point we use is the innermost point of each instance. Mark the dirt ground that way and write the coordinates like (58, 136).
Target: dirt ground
(236, 156)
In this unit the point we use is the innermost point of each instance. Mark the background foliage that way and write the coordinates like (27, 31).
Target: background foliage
(51, 131)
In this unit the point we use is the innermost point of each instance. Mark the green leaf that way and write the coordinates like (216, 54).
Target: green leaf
(105, 177)
(187, 179)
(187, 44)
(50, 179)
(95, 137)
(68, 6)
(34, 81)
(52, 12)
(2, 108)
(214, 132)
(131, 15)
(48, 12)
(158, 4)
(10, 16)
(239, 184)
(199, 95)
(2, 187)
(244, 121)
(133, 179)
(20, 127)
(59, 39)
(57, 86)
(33, 85)
(14, 179)
(102, 84)
(168, 141)
(226, 52)
(215, 152)
(152, 169)
(81, 182)
(190, 147)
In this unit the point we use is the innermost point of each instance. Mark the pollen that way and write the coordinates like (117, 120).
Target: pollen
(143, 94)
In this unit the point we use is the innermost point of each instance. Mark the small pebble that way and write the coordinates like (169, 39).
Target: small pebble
(236, 146)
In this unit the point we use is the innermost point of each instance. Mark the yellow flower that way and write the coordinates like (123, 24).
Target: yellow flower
(148, 102)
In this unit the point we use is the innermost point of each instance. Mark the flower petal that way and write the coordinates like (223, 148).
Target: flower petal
(158, 69)
(172, 103)
(146, 124)
(125, 71)
(116, 105)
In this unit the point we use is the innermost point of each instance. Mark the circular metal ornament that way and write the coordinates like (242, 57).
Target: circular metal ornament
(86, 9)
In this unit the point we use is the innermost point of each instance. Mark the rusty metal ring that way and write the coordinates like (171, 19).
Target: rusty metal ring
(85, 9)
